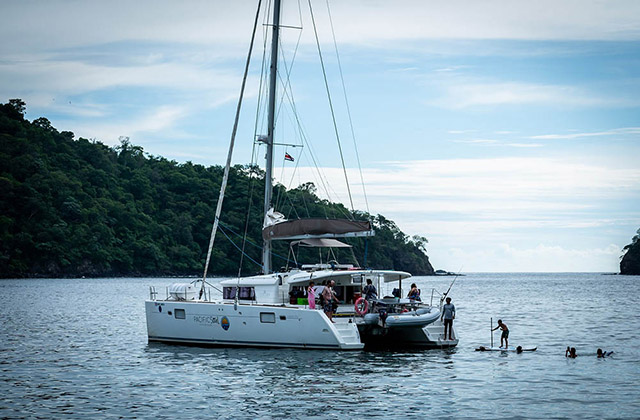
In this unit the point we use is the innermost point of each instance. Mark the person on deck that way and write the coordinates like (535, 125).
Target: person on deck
(369, 291)
(505, 333)
(320, 291)
(328, 297)
(336, 294)
(414, 293)
(448, 314)
(311, 296)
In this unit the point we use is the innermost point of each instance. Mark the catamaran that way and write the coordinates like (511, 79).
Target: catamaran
(273, 309)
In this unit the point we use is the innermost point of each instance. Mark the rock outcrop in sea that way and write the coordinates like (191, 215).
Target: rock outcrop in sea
(630, 263)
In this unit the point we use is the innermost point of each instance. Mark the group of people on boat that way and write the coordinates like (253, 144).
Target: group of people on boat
(329, 303)
(328, 298)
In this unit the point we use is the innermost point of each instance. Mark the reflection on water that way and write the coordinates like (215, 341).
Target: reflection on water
(78, 347)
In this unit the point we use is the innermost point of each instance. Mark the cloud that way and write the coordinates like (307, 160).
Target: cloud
(491, 142)
(626, 131)
(525, 145)
(457, 95)
(541, 257)
(51, 77)
(500, 188)
(494, 19)
(55, 24)
(153, 120)
(477, 141)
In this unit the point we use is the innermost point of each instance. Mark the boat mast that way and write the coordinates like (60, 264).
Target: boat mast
(268, 186)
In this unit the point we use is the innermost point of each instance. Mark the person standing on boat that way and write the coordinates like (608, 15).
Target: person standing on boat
(369, 291)
(328, 298)
(448, 314)
(311, 296)
(505, 333)
(319, 289)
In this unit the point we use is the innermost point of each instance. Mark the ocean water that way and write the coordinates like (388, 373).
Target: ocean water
(73, 348)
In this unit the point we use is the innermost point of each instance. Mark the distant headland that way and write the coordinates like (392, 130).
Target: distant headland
(630, 262)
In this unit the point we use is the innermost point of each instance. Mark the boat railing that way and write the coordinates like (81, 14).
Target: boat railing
(438, 294)
(153, 294)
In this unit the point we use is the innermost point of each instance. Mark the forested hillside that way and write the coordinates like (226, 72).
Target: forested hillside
(75, 207)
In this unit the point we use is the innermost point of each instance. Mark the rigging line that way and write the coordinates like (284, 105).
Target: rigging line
(280, 189)
(306, 142)
(284, 190)
(249, 205)
(262, 85)
(225, 177)
(293, 207)
(305, 204)
(324, 182)
(300, 15)
(353, 255)
(333, 115)
(249, 241)
(287, 83)
(238, 248)
(224, 227)
(346, 100)
(289, 94)
(321, 176)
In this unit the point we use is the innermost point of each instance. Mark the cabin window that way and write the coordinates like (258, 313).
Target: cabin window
(179, 314)
(246, 293)
(268, 317)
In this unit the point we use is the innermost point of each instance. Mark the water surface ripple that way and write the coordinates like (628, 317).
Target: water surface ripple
(78, 347)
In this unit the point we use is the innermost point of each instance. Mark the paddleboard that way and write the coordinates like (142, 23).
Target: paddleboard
(513, 349)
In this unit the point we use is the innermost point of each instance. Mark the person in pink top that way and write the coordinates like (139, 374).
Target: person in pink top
(311, 296)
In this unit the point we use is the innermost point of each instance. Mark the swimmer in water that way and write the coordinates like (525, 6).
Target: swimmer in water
(601, 353)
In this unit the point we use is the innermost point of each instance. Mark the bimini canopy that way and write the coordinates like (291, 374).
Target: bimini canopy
(320, 243)
(317, 228)
(340, 276)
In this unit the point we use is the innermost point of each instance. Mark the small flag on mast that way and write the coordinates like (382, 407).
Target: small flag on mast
(288, 157)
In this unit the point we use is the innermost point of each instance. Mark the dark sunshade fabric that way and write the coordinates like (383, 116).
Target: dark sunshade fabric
(321, 243)
(314, 227)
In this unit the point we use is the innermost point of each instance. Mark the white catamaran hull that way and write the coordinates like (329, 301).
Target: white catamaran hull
(222, 324)
(250, 325)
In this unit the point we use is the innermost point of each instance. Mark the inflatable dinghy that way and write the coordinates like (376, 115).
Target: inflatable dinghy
(418, 318)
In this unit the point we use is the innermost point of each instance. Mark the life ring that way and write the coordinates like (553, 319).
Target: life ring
(365, 306)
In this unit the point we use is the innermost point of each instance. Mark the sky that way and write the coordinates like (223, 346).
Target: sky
(506, 132)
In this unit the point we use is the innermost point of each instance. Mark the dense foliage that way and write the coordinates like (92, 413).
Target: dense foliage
(80, 208)
(630, 262)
